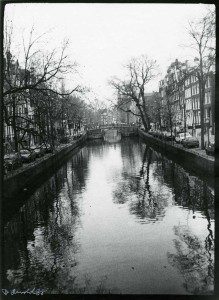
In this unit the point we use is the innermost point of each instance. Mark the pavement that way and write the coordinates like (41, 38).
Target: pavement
(202, 153)
(197, 151)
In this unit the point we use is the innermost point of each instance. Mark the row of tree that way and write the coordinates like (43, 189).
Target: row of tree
(141, 70)
(36, 103)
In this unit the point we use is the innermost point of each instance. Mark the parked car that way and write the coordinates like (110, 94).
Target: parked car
(27, 155)
(167, 136)
(38, 150)
(47, 148)
(181, 136)
(190, 142)
(151, 132)
(210, 149)
(157, 134)
(12, 161)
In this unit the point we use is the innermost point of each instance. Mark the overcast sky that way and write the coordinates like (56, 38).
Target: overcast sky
(104, 36)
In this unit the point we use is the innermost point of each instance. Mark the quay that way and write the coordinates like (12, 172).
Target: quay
(27, 176)
(190, 159)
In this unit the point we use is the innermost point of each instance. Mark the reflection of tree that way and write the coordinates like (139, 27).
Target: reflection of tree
(189, 191)
(136, 189)
(209, 241)
(129, 154)
(143, 207)
(192, 259)
(39, 243)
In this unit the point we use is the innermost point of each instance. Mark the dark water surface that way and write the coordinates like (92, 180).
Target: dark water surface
(118, 218)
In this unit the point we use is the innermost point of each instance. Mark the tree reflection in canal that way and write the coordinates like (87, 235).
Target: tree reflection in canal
(149, 221)
(38, 240)
(194, 258)
(147, 203)
(194, 261)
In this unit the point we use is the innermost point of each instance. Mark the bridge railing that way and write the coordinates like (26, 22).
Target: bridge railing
(113, 125)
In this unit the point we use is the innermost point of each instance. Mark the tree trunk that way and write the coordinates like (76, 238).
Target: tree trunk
(51, 132)
(143, 119)
(127, 118)
(202, 97)
(170, 116)
(159, 119)
(14, 126)
(213, 104)
(184, 112)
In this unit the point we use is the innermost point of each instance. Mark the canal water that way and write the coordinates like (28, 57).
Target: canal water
(115, 218)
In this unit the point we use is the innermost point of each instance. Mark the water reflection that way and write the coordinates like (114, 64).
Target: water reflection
(38, 239)
(194, 261)
(116, 218)
(146, 204)
(159, 183)
(112, 136)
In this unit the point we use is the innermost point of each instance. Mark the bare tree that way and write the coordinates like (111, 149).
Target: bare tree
(202, 34)
(37, 67)
(37, 76)
(141, 71)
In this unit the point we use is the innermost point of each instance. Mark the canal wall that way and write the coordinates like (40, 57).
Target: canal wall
(128, 131)
(95, 134)
(188, 158)
(27, 176)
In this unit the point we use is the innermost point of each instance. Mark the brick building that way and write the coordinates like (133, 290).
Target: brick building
(180, 90)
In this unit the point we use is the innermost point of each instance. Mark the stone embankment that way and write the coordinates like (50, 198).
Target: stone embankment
(29, 174)
(191, 159)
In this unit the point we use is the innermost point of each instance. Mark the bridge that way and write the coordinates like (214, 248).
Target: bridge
(101, 131)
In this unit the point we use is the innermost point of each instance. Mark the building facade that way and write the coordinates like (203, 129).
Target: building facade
(180, 97)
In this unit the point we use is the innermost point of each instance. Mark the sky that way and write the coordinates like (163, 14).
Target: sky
(103, 37)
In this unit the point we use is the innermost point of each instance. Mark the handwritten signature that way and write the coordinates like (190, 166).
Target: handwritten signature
(33, 291)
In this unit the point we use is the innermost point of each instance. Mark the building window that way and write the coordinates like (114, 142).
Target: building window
(187, 81)
(207, 84)
(207, 97)
(194, 103)
(188, 93)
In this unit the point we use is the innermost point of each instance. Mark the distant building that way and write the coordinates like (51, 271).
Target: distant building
(19, 106)
(127, 111)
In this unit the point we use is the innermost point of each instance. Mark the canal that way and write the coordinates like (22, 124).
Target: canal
(115, 218)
